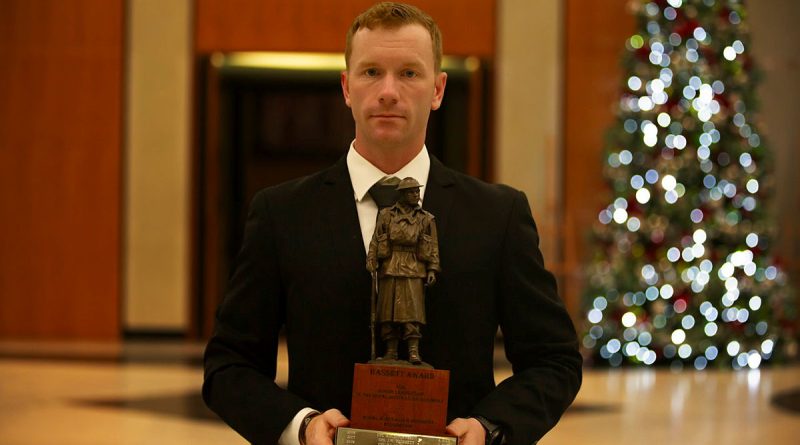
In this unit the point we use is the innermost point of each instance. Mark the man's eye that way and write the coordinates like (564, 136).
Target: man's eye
(371, 72)
(410, 74)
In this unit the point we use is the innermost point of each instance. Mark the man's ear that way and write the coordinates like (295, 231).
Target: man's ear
(438, 90)
(345, 88)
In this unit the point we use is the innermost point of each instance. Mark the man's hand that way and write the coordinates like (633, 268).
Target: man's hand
(469, 431)
(321, 429)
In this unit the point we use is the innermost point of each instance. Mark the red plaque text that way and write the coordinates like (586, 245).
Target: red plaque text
(400, 399)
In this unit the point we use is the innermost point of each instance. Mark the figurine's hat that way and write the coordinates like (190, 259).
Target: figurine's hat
(408, 183)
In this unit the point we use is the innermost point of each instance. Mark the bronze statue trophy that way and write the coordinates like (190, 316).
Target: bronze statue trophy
(397, 397)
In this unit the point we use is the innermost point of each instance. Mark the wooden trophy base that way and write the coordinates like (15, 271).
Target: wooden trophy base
(397, 405)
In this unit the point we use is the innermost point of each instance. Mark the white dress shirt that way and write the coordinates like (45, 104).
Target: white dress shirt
(364, 175)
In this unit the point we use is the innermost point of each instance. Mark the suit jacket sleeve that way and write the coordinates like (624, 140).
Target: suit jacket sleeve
(241, 356)
(540, 339)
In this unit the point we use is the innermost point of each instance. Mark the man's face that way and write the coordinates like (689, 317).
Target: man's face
(391, 86)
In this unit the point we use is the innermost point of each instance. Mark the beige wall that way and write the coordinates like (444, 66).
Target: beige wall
(529, 83)
(775, 33)
(157, 166)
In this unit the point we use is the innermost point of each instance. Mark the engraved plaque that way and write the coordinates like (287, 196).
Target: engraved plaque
(355, 436)
(401, 399)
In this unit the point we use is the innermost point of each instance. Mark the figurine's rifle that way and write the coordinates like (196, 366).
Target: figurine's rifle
(372, 312)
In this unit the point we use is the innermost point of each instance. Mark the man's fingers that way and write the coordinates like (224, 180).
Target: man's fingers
(321, 429)
(457, 427)
(468, 431)
(335, 418)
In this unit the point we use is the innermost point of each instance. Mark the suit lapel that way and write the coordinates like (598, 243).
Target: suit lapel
(339, 214)
(439, 194)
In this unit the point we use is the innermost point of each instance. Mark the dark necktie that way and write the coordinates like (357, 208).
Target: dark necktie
(384, 192)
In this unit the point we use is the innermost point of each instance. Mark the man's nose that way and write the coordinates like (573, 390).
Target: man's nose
(388, 92)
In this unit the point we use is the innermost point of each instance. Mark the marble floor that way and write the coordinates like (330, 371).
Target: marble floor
(146, 393)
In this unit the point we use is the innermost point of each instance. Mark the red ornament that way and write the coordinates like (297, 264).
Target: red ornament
(778, 261)
(643, 53)
(633, 206)
(787, 325)
(672, 103)
(711, 57)
(747, 62)
(686, 27)
(723, 101)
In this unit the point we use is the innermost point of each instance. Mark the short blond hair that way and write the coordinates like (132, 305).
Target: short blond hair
(393, 15)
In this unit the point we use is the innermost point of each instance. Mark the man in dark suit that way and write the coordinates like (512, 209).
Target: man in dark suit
(302, 268)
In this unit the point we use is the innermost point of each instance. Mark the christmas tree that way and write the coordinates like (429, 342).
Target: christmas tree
(682, 273)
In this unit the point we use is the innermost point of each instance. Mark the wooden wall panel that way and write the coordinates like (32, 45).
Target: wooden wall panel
(594, 42)
(314, 25)
(60, 143)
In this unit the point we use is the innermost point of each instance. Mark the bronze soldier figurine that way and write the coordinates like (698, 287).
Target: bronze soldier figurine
(404, 252)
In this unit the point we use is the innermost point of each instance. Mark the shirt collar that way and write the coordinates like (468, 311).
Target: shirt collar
(363, 174)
